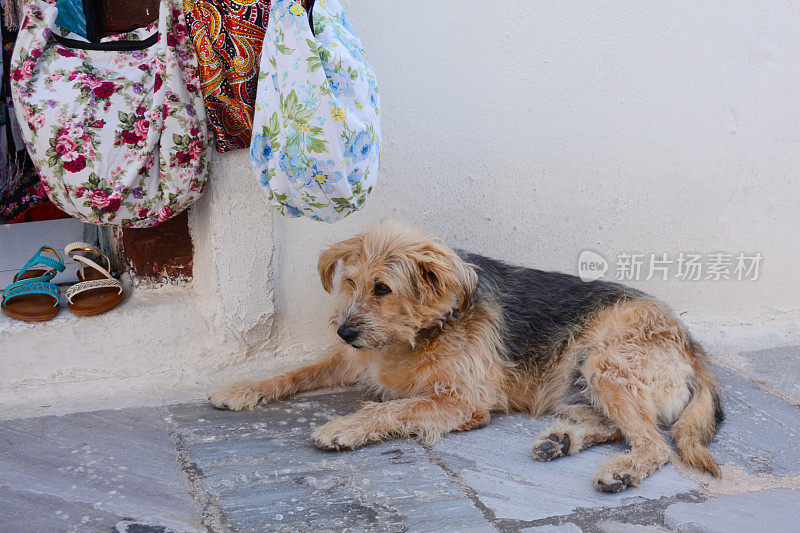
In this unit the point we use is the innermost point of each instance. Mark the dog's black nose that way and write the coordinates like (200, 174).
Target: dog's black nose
(347, 333)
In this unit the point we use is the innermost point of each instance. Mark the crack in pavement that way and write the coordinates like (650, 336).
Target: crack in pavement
(435, 458)
(649, 512)
(212, 516)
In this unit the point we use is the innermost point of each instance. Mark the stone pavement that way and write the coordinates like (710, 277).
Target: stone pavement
(194, 468)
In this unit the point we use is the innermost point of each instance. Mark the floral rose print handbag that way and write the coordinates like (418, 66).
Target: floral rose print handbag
(316, 130)
(116, 128)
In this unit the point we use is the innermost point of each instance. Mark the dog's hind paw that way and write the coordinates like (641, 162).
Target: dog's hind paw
(629, 469)
(614, 482)
(551, 447)
(236, 396)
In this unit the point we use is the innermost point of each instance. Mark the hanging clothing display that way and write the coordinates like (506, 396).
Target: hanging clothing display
(21, 190)
(44, 210)
(316, 134)
(71, 16)
(6, 149)
(227, 36)
(12, 13)
(115, 128)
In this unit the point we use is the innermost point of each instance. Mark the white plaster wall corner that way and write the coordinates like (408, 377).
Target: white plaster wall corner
(231, 229)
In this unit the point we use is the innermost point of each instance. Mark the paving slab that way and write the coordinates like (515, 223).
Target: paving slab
(89, 471)
(761, 431)
(613, 526)
(567, 527)
(776, 511)
(26, 510)
(267, 476)
(780, 367)
(495, 462)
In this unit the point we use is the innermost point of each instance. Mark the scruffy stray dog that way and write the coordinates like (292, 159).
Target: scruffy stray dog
(447, 338)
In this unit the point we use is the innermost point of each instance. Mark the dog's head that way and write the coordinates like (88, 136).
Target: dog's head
(395, 282)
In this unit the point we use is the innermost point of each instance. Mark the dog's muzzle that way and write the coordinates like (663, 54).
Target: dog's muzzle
(347, 333)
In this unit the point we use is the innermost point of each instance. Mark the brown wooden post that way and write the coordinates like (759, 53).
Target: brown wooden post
(119, 17)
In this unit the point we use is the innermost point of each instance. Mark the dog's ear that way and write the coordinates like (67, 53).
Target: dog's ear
(445, 273)
(330, 258)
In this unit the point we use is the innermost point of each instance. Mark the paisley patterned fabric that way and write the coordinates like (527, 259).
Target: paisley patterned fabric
(117, 134)
(317, 134)
(227, 35)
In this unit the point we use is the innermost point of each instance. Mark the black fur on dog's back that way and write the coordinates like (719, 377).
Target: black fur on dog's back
(541, 310)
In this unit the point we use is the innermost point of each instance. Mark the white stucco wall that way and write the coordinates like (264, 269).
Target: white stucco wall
(530, 131)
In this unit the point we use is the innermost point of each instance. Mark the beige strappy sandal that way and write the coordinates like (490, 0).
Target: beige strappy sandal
(97, 291)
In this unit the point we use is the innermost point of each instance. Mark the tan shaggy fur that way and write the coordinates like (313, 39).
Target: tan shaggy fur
(434, 359)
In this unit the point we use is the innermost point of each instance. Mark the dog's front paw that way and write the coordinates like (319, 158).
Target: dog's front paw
(236, 396)
(338, 435)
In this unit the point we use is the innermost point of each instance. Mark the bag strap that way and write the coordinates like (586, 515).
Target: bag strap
(121, 45)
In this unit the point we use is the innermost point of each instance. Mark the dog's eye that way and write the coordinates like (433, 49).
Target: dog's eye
(381, 289)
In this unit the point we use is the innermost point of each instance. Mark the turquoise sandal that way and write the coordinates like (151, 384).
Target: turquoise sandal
(31, 297)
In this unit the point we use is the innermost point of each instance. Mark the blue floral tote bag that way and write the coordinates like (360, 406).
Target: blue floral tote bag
(316, 131)
(116, 128)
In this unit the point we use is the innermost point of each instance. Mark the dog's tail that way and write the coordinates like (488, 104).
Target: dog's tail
(700, 419)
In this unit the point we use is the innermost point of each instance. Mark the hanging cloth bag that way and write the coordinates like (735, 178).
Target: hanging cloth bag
(116, 128)
(316, 131)
(228, 35)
